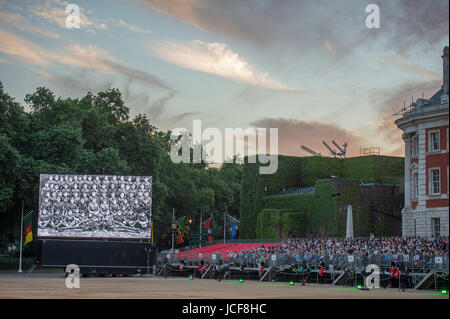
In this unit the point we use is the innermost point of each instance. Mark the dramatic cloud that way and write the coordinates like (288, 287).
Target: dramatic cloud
(87, 59)
(184, 10)
(294, 23)
(292, 134)
(218, 59)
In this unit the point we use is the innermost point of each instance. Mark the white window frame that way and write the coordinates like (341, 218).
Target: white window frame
(430, 175)
(415, 146)
(430, 142)
(433, 228)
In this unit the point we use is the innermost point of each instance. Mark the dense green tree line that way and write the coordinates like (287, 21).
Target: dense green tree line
(96, 135)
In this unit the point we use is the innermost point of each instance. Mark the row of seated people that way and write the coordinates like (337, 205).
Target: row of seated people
(302, 274)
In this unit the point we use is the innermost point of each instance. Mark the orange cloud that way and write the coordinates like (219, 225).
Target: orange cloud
(17, 21)
(21, 48)
(330, 47)
(389, 102)
(293, 133)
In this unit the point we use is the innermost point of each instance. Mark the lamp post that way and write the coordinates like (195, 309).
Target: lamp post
(21, 236)
(201, 226)
(224, 225)
(174, 226)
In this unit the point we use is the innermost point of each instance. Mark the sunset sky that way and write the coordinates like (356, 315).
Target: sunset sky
(310, 68)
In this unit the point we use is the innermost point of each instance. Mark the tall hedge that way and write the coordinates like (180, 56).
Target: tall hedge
(281, 223)
(252, 192)
(325, 214)
(374, 169)
(322, 214)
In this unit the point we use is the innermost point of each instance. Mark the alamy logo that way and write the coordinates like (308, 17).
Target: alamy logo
(212, 151)
(373, 19)
(73, 276)
(373, 279)
(73, 18)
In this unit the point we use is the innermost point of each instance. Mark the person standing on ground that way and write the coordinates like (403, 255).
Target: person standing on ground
(322, 274)
(200, 269)
(261, 270)
(392, 276)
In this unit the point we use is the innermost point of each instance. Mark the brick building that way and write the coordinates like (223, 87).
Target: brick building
(425, 126)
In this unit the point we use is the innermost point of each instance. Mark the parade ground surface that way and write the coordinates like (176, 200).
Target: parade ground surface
(52, 286)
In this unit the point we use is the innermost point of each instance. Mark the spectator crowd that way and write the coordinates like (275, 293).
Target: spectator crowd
(368, 247)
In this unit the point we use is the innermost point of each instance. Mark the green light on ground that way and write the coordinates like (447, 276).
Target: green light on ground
(190, 277)
(94, 271)
(291, 283)
(241, 280)
(359, 286)
(444, 292)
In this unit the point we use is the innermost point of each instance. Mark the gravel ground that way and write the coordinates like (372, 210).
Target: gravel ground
(52, 286)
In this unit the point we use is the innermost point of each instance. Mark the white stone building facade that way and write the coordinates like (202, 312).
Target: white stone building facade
(425, 126)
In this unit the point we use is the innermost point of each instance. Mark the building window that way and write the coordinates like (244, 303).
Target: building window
(435, 144)
(415, 227)
(447, 138)
(436, 222)
(415, 185)
(415, 146)
(435, 181)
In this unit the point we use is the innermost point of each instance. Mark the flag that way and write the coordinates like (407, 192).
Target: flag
(181, 224)
(207, 224)
(180, 236)
(27, 223)
(233, 231)
(232, 225)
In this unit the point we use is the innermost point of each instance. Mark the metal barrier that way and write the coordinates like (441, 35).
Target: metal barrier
(417, 264)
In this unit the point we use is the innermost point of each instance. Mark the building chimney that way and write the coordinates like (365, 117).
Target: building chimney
(445, 65)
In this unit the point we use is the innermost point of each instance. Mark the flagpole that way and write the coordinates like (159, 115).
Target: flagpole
(201, 226)
(21, 235)
(224, 225)
(173, 230)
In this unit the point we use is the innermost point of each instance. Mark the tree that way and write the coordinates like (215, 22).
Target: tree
(96, 135)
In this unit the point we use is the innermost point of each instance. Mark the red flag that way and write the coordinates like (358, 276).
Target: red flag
(207, 224)
(210, 239)
(180, 237)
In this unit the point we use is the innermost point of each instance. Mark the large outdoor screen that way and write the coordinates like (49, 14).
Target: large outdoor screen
(94, 206)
